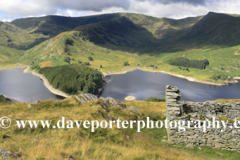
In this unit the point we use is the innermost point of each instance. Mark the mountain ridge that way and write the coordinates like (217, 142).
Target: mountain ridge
(110, 40)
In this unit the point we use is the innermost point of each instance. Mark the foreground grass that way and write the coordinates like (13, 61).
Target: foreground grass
(104, 143)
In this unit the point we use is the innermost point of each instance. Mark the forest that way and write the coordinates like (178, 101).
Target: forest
(185, 62)
(74, 79)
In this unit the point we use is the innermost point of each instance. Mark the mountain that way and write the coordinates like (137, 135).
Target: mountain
(105, 40)
(215, 28)
(150, 29)
(112, 39)
(53, 25)
(119, 32)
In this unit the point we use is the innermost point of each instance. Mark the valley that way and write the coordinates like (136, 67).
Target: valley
(138, 56)
(112, 39)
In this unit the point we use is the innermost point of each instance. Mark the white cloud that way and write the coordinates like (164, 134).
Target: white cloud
(6, 20)
(158, 8)
(26, 7)
(175, 10)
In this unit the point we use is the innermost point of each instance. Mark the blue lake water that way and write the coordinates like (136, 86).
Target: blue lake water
(23, 87)
(142, 84)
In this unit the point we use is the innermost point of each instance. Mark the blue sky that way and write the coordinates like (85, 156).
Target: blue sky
(12, 9)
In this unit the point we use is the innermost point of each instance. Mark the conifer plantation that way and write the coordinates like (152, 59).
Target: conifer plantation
(73, 79)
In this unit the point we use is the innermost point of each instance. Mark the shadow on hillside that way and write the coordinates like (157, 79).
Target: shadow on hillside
(116, 32)
(121, 34)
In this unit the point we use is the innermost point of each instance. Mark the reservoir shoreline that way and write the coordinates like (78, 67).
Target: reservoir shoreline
(173, 74)
(123, 71)
(46, 83)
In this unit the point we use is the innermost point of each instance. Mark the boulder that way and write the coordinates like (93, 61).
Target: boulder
(113, 102)
(33, 104)
(4, 154)
(87, 97)
(135, 110)
(190, 145)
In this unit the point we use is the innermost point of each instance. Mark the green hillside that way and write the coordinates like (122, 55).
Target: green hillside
(110, 40)
(218, 29)
(14, 41)
(53, 25)
(118, 33)
(54, 51)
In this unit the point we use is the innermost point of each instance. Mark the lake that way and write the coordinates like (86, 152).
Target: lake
(23, 87)
(142, 84)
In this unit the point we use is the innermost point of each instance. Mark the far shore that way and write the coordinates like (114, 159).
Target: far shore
(7, 67)
(123, 71)
(173, 74)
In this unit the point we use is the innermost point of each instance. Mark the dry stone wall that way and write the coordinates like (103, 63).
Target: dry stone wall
(228, 139)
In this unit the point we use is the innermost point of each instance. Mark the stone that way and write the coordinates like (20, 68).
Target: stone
(127, 137)
(70, 157)
(213, 137)
(33, 104)
(170, 142)
(113, 102)
(190, 145)
(4, 154)
(87, 97)
(30, 105)
(104, 107)
(171, 132)
(135, 110)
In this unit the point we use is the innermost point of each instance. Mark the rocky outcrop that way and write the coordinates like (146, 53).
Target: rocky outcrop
(87, 97)
(84, 98)
(135, 110)
(4, 154)
(113, 102)
(33, 104)
(202, 111)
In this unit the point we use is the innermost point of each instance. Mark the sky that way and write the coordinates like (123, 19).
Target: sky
(177, 9)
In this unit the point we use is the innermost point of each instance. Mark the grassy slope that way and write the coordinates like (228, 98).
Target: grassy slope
(13, 42)
(114, 38)
(103, 144)
(161, 28)
(53, 25)
(224, 61)
(51, 53)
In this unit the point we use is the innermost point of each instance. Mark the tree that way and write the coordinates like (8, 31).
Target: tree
(185, 62)
(73, 78)
(67, 59)
(68, 41)
(87, 63)
(126, 63)
(90, 58)
(100, 66)
(151, 66)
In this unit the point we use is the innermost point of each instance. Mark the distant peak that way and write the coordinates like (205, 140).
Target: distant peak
(214, 15)
(212, 12)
